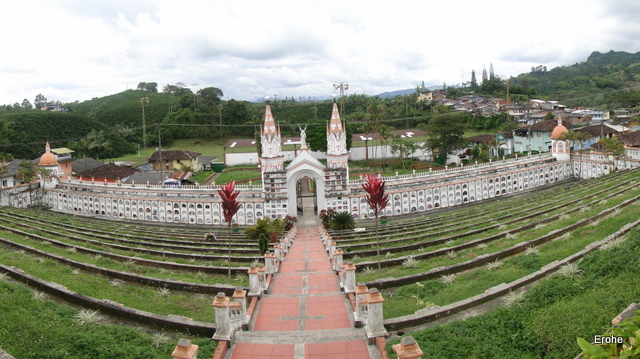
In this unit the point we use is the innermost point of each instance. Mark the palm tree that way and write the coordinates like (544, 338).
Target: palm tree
(27, 172)
(367, 129)
(341, 221)
(374, 114)
(385, 133)
(5, 158)
(97, 142)
(581, 137)
(613, 147)
(568, 136)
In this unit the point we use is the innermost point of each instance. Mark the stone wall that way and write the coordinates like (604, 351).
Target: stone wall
(21, 196)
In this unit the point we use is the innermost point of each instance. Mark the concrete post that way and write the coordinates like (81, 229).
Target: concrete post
(341, 275)
(223, 319)
(277, 249)
(337, 259)
(262, 279)
(284, 246)
(408, 348)
(350, 278)
(185, 350)
(375, 326)
(332, 248)
(270, 262)
(240, 296)
(254, 282)
(360, 315)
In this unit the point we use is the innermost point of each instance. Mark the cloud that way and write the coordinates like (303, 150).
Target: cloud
(76, 50)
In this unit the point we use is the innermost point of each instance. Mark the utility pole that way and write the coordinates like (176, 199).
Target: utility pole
(341, 87)
(160, 152)
(195, 97)
(143, 102)
(220, 113)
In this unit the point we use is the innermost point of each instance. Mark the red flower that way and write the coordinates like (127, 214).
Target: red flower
(377, 200)
(230, 205)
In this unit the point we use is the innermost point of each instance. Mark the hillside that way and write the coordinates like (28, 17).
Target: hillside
(23, 134)
(603, 80)
(125, 108)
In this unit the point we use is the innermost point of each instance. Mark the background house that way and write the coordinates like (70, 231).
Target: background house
(536, 137)
(178, 160)
(9, 172)
(65, 161)
(109, 173)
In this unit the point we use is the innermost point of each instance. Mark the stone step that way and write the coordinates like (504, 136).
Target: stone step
(300, 337)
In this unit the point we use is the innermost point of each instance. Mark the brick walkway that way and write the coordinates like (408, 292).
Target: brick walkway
(304, 315)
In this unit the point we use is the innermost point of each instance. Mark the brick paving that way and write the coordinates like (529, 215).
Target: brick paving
(304, 315)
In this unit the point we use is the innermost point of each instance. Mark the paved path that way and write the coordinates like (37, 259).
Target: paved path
(304, 315)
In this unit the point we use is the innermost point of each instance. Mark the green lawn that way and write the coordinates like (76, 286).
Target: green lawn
(206, 147)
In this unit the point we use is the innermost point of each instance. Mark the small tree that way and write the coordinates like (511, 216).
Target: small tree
(27, 171)
(613, 147)
(263, 244)
(230, 207)
(405, 149)
(377, 201)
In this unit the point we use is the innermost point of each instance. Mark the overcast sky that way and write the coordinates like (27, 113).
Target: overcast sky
(78, 49)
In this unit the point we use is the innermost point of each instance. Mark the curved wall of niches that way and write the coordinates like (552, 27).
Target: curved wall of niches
(204, 207)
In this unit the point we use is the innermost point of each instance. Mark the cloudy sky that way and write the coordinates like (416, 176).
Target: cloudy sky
(78, 49)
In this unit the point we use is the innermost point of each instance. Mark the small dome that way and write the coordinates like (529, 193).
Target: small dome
(48, 158)
(558, 130)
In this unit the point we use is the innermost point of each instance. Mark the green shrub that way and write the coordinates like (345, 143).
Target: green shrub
(265, 226)
(263, 244)
(341, 221)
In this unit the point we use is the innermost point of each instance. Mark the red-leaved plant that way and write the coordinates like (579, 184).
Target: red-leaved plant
(377, 200)
(230, 207)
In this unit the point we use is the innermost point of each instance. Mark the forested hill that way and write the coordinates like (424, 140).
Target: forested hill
(125, 108)
(609, 79)
(23, 134)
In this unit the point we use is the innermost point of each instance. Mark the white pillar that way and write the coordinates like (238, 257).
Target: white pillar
(408, 348)
(262, 279)
(270, 262)
(185, 350)
(360, 315)
(277, 249)
(375, 325)
(240, 296)
(254, 282)
(350, 278)
(223, 320)
(337, 260)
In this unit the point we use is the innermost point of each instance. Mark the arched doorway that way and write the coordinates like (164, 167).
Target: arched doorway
(306, 196)
(306, 184)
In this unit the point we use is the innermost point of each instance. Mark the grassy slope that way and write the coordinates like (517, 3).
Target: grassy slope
(44, 329)
(553, 315)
